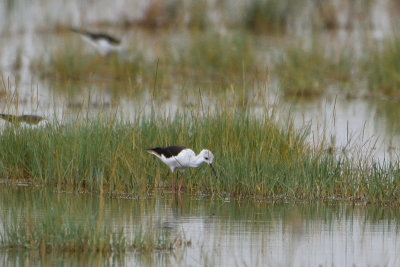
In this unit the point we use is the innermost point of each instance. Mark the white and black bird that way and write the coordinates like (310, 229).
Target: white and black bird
(25, 119)
(180, 157)
(104, 43)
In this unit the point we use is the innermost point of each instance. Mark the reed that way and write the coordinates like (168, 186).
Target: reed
(254, 158)
(268, 16)
(73, 68)
(206, 59)
(310, 72)
(382, 66)
(218, 61)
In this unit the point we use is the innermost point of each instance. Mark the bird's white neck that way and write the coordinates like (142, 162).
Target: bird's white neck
(197, 161)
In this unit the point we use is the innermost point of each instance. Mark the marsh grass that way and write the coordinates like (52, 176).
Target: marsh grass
(42, 220)
(198, 15)
(268, 16)
(281, 17)
(218, 59)
(73, 65)
(253, 157)
(207, 59)
(382, 66)
(326, 16)
(174, 14)
(309, 72)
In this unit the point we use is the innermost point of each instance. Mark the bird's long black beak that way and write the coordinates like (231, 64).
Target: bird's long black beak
(212, 168)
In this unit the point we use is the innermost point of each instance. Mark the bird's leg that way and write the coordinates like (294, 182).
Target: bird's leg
(180, 200)
(180, 183)
(173, 182)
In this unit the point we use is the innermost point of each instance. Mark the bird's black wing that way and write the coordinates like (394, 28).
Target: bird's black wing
(167, 151)
(97, 35)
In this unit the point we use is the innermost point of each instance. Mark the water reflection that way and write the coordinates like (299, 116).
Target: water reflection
(226, 233)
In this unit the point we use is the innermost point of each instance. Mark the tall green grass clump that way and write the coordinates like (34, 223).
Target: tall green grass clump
(253, 157)
(309, 72)
(382, 66)
(75, 68)
(205, 58)
(72, 63)
(213, 58)
(268, 16)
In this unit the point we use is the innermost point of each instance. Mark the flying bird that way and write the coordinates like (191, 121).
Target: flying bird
(104, 43)
(28, 119)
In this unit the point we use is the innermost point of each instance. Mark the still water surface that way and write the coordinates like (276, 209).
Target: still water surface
(223, 232)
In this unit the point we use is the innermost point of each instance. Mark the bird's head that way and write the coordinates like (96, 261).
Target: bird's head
(208, 158)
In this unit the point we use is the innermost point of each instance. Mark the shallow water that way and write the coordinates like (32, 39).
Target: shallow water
(29, 31)
(223, 232)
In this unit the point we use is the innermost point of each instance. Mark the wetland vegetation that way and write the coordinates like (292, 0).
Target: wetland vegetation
(199, 74)
(44, 220)
(254, 157)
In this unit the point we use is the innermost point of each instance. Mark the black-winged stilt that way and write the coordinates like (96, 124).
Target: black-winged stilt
(28, 119)
(104, 43)
(180, 157)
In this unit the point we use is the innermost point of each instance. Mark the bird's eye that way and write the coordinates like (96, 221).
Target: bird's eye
(206, 158)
